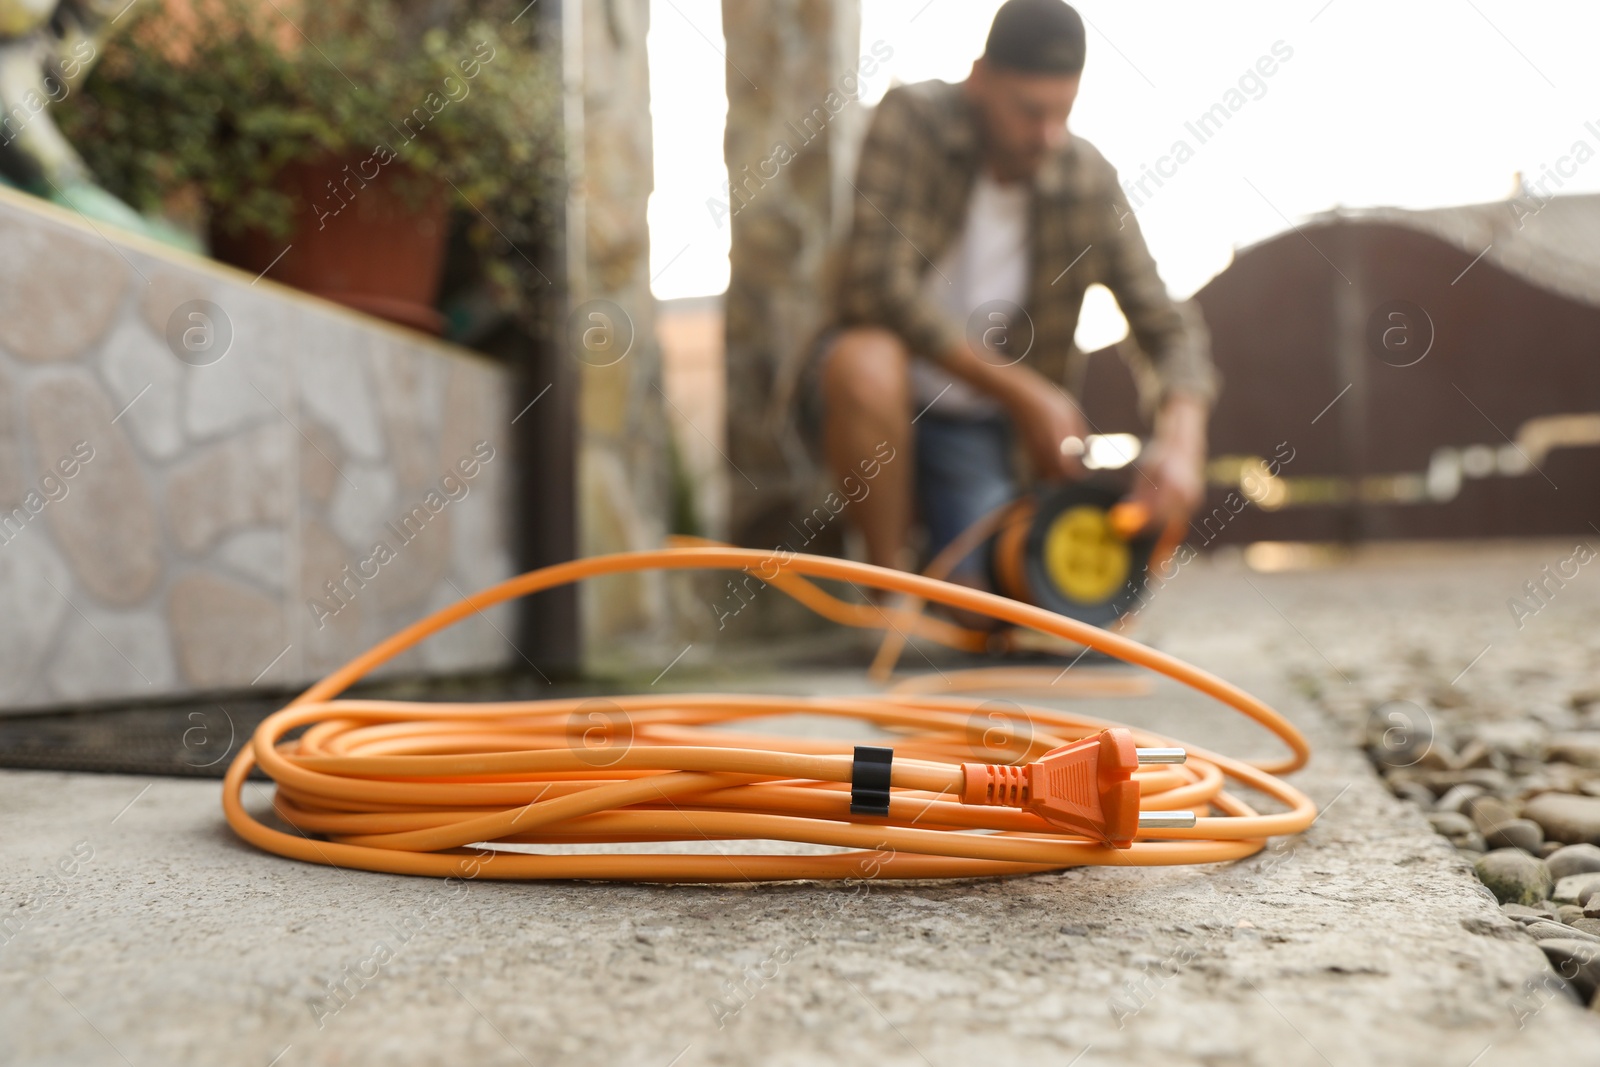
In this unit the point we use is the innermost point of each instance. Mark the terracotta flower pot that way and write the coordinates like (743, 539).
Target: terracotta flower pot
(358, 239)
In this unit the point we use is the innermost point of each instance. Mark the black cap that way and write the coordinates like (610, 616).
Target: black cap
(1036, 37)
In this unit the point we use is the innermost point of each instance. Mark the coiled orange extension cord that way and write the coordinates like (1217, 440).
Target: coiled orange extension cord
(433, 789)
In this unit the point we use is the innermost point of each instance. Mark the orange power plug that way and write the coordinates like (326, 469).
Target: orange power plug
(1127, 519)
(1086, 787)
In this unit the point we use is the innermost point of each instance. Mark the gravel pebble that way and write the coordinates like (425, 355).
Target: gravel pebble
(1514, 877)
(1576, 960)
(1415, 792)
(1553, 778)
(1566, 817)
(1394, 743)
(1574, 888)
(1554, 716)
(1456, 797)
(1516, 833)
(1488, 813)
(1478, 754)
(1544, 930)
(1572, 859)
(1488, 779)
(1450, 823)
(1568, 913)
(1525, 913)
(1588, 926)
(1519, 737)
(1580, 747)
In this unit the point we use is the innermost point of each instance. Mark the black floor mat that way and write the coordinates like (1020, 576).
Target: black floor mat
(199, 738)
(189, 741)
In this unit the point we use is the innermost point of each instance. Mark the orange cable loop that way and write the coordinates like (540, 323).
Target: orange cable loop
(435, 788)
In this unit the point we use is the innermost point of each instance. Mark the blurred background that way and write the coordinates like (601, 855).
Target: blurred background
(315, 318)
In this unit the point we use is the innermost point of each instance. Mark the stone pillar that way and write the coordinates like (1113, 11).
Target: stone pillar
(623, 481)
(785, 58)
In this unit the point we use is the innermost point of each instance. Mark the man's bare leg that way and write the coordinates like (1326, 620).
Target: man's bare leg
(866, 388)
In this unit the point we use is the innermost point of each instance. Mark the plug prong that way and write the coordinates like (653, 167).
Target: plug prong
(1166, 820)
(1161, 755)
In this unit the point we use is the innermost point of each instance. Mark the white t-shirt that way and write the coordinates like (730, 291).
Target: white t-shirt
(989, 261)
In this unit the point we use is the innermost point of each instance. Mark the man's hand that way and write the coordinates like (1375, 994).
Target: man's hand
(1044, 415)
(1170, 480)
(1047, 418)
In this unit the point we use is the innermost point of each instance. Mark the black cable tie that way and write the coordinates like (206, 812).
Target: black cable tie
(869, 780)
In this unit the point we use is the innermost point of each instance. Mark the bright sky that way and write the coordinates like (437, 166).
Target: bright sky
(1420, 103)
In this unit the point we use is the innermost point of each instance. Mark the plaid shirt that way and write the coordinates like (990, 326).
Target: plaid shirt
(919, 162)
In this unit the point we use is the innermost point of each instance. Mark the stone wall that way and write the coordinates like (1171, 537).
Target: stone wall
(289, 491)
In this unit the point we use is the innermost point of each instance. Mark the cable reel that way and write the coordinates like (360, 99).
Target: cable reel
(1077, 549)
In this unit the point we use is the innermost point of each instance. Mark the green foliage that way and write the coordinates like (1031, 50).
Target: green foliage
(216, 104)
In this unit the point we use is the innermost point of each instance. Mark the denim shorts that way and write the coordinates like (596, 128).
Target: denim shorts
(964, 467)
(964, 471)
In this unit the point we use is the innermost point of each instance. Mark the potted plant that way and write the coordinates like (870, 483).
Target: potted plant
(327, 144)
